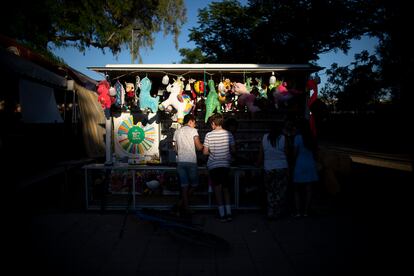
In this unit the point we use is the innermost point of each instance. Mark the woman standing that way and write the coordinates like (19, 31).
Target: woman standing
(273, 156)
(305, 172)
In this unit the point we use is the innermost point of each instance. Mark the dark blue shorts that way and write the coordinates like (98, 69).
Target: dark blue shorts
(188, 174)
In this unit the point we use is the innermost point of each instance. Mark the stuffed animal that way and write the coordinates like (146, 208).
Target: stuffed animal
(146, 101)
(248, 84)
(222, 92)
(103, 94)
(312, 85)
(227, 85)
(120, 94)
(262, 88)
(199, 87)
(175, 99)
(239, 88)
(212, 101)
(248, 99)
(281, 95)
(130, 92)
(189, 90)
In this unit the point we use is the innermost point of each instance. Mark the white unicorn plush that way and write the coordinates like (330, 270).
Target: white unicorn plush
(175, 99)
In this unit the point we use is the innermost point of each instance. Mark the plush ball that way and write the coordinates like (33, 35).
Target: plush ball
(153, 184)
(165, 80)
(199, 87)
(112, 91)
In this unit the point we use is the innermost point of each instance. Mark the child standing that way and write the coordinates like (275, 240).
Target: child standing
(219, 145)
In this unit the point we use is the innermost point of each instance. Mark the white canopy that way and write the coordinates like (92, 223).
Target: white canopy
(207, 68)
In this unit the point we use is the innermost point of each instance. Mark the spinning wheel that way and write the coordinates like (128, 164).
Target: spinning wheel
(135, 139)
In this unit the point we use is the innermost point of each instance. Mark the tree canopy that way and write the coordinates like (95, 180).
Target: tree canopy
(267, 31)
(104, 24)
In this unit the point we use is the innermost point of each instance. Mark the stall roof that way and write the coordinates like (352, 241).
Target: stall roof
(183, 69)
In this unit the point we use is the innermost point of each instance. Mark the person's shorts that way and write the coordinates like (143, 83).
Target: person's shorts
(220, 176)
(188, 174)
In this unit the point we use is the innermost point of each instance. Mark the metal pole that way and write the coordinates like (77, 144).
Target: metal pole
(132, 46)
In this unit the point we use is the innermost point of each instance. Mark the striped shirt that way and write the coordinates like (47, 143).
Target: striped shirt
(219, 143)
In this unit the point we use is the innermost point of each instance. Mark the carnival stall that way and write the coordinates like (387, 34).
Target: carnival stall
(145, 103)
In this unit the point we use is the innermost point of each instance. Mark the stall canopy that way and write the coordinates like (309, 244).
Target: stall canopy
(121, 70)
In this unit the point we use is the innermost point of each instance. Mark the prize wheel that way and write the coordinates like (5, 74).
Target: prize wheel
(135, 139)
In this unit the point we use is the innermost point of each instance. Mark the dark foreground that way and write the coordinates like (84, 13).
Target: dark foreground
(364, 229)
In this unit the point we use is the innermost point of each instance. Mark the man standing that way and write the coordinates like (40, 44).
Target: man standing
(186, 141)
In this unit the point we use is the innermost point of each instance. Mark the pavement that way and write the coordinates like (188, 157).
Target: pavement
(362, 230)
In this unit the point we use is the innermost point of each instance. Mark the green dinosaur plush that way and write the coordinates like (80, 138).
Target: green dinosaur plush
(212, 101)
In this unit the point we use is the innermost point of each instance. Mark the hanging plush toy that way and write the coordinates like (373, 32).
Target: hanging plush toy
(165, 80)
(261, 88)
(312, 85)
(272, 81)
(281, 94)
(212, 101)
(221, 92)
(103, 94)
(248, 84)
(189, 90)
(175, 99)
(120, 94)
(239, 88)
(248, 99)
(146, 101)
(130, 92)
(199, 87)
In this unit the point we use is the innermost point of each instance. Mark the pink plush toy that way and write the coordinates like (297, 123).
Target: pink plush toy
(239, 88)
(103, 94)
(248, 99)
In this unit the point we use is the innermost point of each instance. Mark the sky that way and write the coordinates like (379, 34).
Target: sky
(164, 51)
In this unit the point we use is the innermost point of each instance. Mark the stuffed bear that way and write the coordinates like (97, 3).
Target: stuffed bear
(103, 94)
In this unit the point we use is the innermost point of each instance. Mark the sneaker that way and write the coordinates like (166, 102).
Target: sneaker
(297, 215)
(223, 219)
(229, 218)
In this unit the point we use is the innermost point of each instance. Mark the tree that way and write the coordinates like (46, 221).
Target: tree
(92, 23)
(192, 56)
(267, 31)
(356, 87)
